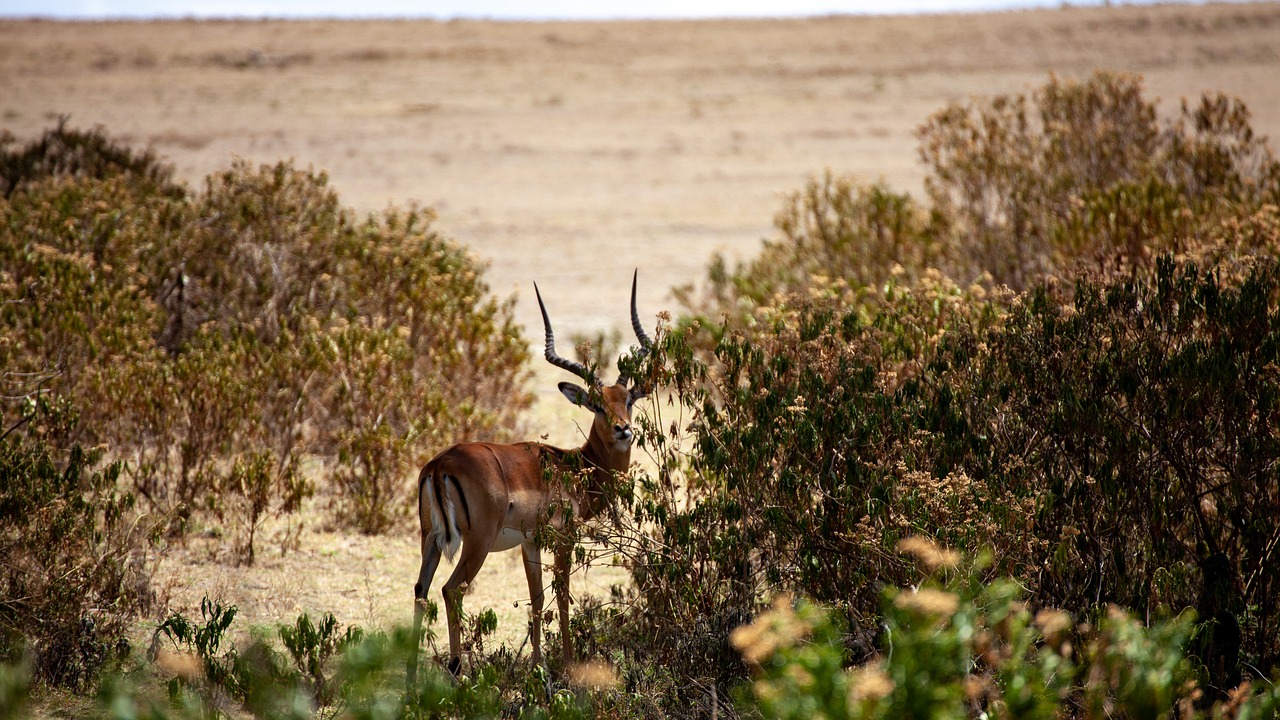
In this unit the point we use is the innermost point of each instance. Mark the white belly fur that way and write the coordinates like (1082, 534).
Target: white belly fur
(509, 538)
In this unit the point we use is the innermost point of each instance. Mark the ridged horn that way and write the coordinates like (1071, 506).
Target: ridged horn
(576, 368)
(645, 342)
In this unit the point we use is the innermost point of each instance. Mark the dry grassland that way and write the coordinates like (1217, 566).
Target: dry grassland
(570, 153)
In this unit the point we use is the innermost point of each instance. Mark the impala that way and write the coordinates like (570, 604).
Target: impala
(484, 497)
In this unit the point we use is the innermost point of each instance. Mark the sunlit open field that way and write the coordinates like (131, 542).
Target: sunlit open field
(569, 154)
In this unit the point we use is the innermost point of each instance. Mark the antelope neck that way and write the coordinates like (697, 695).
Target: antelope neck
(603, 462)
(600, 453)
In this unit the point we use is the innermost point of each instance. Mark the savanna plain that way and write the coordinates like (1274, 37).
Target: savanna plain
(570, 154)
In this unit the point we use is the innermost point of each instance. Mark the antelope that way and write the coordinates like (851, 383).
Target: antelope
(485, 497)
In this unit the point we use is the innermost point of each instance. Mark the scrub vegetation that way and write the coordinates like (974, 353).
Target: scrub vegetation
(1006, 450)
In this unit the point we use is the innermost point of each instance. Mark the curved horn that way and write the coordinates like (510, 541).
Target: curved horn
(576, 368)
(645, 342)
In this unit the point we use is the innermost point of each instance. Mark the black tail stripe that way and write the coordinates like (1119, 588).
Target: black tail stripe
(465, 509)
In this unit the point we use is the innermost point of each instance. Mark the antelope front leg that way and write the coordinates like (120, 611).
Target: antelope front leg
(533, 573)
(561, 586)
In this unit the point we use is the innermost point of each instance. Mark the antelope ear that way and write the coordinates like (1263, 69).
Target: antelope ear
(578, 395)
(639, 392)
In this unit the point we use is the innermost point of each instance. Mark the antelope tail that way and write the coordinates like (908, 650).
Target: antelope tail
(440, 508)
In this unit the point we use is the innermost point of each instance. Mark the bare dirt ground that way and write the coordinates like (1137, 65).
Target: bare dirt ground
(570, 153)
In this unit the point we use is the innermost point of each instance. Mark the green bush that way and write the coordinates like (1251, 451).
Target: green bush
(1078, 176)
(835, 237)
(1104, 432)
(215, 341)
(951, 646)
(200, 670)
(75, 570)
(1084, 175)
(791, 466)
(1138, 413)
(1109, 445)
(66, 152)
(956, 647)
(312, 646)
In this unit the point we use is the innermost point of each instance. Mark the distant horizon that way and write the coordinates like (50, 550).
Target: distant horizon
(551, 10)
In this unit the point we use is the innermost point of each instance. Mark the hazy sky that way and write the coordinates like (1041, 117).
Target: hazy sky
(501, 9)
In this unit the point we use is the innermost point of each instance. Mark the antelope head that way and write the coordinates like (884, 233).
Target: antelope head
(612, 403)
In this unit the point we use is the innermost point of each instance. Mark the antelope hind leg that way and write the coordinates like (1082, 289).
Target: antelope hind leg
(469, 563)
(430, 561)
